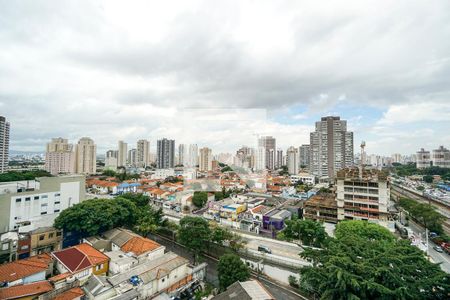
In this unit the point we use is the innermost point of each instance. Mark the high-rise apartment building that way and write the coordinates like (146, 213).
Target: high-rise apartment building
(205, 160)
(4, 144)
(292, 160)
(60, 157)
(192, 156)
(132, 157)
(441, 157)
(269, 144)
(182, 154)
(143, 153)
(86, 156)
(279, 159)
(331, 147)
(304, 154)
(260, 159)
(111, 159)
(122, 155)
(165, 154)
(423, 159)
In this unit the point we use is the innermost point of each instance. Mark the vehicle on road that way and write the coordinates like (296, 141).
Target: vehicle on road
(264, 249)
(438, 249)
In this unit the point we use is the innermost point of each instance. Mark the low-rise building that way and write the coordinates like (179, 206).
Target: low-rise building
(45, 239)
(321, 207)
(24, 271)
(81, 261)
(247, 290)
(25, 291)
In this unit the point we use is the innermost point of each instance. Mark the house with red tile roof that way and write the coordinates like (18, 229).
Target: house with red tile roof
(72, 294)
(81, 261)
(26, 291)
(32, 269)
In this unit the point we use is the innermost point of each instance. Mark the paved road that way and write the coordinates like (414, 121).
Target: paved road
(437, 257)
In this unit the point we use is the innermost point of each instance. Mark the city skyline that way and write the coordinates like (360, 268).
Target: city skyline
(312, 61)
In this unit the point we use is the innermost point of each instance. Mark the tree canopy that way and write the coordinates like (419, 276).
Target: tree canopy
(310, 232)
(231, 269)
(23, 175)
(365, 261)
(423, 213)
(194, 233)
(199, 198)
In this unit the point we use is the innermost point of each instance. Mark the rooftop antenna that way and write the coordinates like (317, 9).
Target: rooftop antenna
(361, 161)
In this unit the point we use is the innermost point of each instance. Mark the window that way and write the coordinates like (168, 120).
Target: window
(57, 194)
(50, 235)
(44, 204)
(43, 213)
(36, 197)
(42, 237)
(98, 267)
(58, 233)
(24, 247)
(5, 246)
(44, 196)
(56, 211)
(57, 202)
(18, 200)
(27, 198)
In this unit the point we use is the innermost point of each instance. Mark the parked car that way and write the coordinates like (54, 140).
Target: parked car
(264, 249)
(438, 249)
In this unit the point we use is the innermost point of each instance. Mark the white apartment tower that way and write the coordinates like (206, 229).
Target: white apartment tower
(122, 155)
(269, 144)
(441, 157)
(423, 159)
(4, 144)
(205, 161)
(86, 156)
(331, 147)
(111, 159)
(59, 157)
(260, 159)
(192, 157)
(304, 154)
(292, 160)
(143, 153)
(132, 157)
(279, 159)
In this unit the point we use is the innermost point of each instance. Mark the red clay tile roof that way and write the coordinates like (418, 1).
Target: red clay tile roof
(139, 245)
(257, 209)
(59, 277)
(70, 294)
(25, 267)
(80, 257)
(24, 290)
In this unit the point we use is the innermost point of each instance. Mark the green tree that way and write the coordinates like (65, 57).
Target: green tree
(23, 175)
(428, 178)
(365, 261)
(109, 173)
(424, 214)
(139, 199)
(310, 232)
(226, 169)
(231, 269)
(199, 198)
(194, 233)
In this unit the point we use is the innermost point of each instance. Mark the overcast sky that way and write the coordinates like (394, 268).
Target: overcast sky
(218, 73)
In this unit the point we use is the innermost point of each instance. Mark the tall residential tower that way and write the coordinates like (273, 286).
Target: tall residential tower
(4, 144)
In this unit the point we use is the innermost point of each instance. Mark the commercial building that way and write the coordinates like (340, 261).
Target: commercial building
(4, 144)
(143, 153)
(292, 160)
(205, 161)
(86, 156)
(423, 159)
(441, 157)
(27, 205)
(122, 154)
(331, 147)
(165, 154)
(304, 153)
(269, 144)
(60, 157)
(362, 194)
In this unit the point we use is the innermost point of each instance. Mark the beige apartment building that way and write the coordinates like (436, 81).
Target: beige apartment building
(86, 156)
(60, 157)
(205, 161)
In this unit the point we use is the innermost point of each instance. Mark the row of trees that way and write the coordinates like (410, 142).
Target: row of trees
(98, 215)
(23, 175)
(423, 213)
(365, 261)
(310, 232)
(410, 169)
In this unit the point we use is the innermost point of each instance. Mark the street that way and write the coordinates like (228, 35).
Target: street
(437, 257)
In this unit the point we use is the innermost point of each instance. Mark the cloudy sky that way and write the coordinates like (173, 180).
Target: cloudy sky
(218, 73)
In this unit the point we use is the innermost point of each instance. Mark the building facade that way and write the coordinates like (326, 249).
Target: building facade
(205, 161)
(304, 153)
(269, 144)
(441, 157)
(292, 160)
(143, 153)
(132, 157)
(423, 159)
(60, 157)
(122, 154)
(165, 154)
(86, 156)
(4, 144)
(331, 147)
(27, 205)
